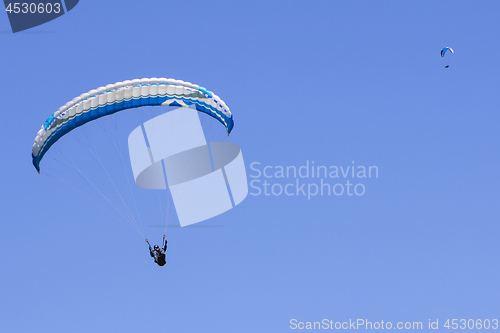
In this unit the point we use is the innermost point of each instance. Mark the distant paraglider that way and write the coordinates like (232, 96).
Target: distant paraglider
(443, 52)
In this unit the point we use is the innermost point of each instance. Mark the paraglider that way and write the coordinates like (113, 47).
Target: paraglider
(124, 95)
(110, 99)
(443, 52)
(159, 253)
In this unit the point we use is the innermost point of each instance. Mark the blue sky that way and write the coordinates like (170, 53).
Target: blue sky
(326, 81)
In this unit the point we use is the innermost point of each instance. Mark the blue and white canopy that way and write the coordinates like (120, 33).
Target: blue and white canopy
(444, 49)
(128, 94)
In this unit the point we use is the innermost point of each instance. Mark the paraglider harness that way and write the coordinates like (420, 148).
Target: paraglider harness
(159, 254)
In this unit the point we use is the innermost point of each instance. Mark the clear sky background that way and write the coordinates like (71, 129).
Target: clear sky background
(326, 81)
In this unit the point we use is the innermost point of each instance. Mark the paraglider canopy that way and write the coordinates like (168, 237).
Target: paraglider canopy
(129, 94)
(443, 51)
